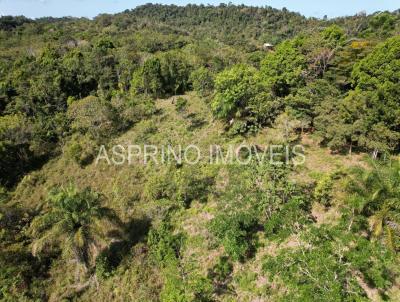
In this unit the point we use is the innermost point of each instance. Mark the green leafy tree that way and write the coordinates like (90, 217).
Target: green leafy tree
(307, 102)
(234, 90)
(381, 24)
(283, 70)
(80, 81)
(175, 72)
(376, 91)
(102, 64)
(202, 80)
(165, 249)
(152, 77)
(15, 151)
(334, 35)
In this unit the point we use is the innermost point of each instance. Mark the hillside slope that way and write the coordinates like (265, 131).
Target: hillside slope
(166, 154)
(133, 273)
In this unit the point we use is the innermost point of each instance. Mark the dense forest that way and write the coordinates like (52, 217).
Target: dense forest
(75, 229)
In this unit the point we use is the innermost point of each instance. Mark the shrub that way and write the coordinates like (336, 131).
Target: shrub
(181, 104)
(373, 197)
(290, 219)
(234, 232)
(323, 189)
(283, 69)
(3, 195)
(134, 109)
(145, 130)
(222, 270)
(201, 289)
(103, 267)
(94, 116)
(164, 245)
(333, 35)
(165, 248)
(193, 184)
(181, 185)
(160, 186)
(81, 148)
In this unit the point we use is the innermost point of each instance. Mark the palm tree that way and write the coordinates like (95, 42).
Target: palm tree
(76, 223)
(376, 195)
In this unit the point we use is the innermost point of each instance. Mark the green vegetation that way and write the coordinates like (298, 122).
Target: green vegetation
(73, 221)
(76, 229)
(376, 198)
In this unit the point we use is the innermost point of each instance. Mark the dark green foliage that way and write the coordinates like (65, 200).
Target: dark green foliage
(208, 21)
(323, 189)
(9, 23)
(221, 274)
(14, 148)
(103, 266)
(235, 89)
(202, 81)
(160, 187)
(133, 109)
(81, 148)
(165, 248)
(202, 289)
(175, 71)
(18, 268)
(194, 184)
(182, 184)
(241, 99)
(80, 81)
(148, 79)
(368, 116)
(333, 35)
(166, 74)
(222, 270)
(382, 23)
(308, 103)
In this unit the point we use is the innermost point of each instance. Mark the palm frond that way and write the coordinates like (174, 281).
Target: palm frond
(49, 238)
(389, 238)
(377, 225)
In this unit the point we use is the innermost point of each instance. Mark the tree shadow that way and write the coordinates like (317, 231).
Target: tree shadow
(195, 122)
(136, 230)
(13, 169)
